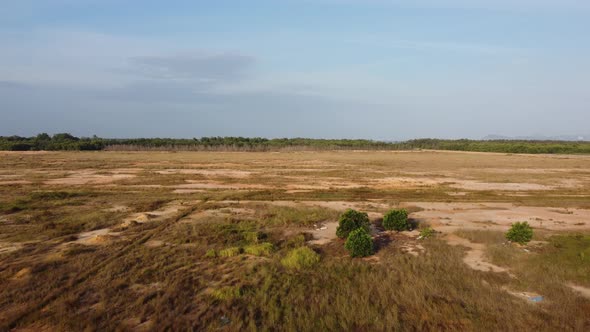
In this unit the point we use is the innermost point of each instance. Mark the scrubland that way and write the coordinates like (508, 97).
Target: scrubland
(145, 241)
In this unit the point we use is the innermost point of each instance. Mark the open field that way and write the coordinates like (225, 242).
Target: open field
(178, 240)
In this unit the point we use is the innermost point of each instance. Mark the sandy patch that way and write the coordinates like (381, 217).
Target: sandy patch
(296, 191)
(8, 247)
(409, 182)
(9, 176)
(88, 177)
(188, 191)
(155, 243)
(475, 257)
(162, 214)
(584, 291)
(97, 237)
(466, 184)
(230, 173)
(215, 214)
(126, 170)
(457, 193)
(450, 217)
(324, 233)
(23, 274)
(322, 185)
(413, 249)
(493, 186)
(216, 185)
(13, 182)
(118, 208)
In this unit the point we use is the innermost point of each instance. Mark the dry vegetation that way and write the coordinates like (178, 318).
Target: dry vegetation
(205, 240)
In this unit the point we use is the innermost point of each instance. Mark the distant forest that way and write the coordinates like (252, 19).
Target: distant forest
(67, 142)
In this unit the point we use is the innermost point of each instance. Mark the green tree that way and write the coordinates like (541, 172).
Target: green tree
(359, 243)
(396, 220)
(351, 220)
(520, 232)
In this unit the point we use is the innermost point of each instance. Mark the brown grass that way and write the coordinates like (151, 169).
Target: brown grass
(48, 281)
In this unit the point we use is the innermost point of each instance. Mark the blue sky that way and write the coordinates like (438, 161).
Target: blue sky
(381, 69)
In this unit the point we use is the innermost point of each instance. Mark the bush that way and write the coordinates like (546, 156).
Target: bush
(254, 237)
(227, 293)
(351, 220)
(230, 252)
(520, 232)
(427, 232)
(263, 249)
(211, 253)
(359, 243)
(396, 220)
(300, 258)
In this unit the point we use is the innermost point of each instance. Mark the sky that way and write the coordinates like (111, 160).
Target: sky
(376, 69)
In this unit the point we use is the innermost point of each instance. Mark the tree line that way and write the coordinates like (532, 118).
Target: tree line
(68, 142)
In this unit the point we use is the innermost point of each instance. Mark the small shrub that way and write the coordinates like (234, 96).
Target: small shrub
(254, 237)
(296, 241)
(396, 220)
(227, 293)
(230, 252)
(520, 232)
(359, 243)
(211, 253)
(427, 232)
(263, 249)
(351, 220)
(300, 258)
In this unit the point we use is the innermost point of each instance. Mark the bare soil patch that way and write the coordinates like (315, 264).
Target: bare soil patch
(226, 173)
(96, 237)
(475, 257)
(89, 177)
(498, 216)
(324, 233)
(8, 247)
(584, 291)
(161, 214)
(13, 182)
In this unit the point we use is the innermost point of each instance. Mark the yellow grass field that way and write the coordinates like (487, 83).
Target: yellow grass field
(146, 241)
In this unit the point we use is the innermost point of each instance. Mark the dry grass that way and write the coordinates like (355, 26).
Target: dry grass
(218, 262)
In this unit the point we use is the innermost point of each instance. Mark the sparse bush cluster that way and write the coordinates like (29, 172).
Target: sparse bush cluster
(354, 226)
(351, 220)
(359, 243)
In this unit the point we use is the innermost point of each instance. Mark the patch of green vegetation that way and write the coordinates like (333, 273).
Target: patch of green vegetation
(427, 232)
(351, 220)
(230, 252)
(482, 236)
(227, 293)
(359, 243)
(396, 220)
(300, 258)
(15, 206)
(300, 216)
(211, 253)
(58, 195)
(567, 256)
(262, 249)
(520, 232)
